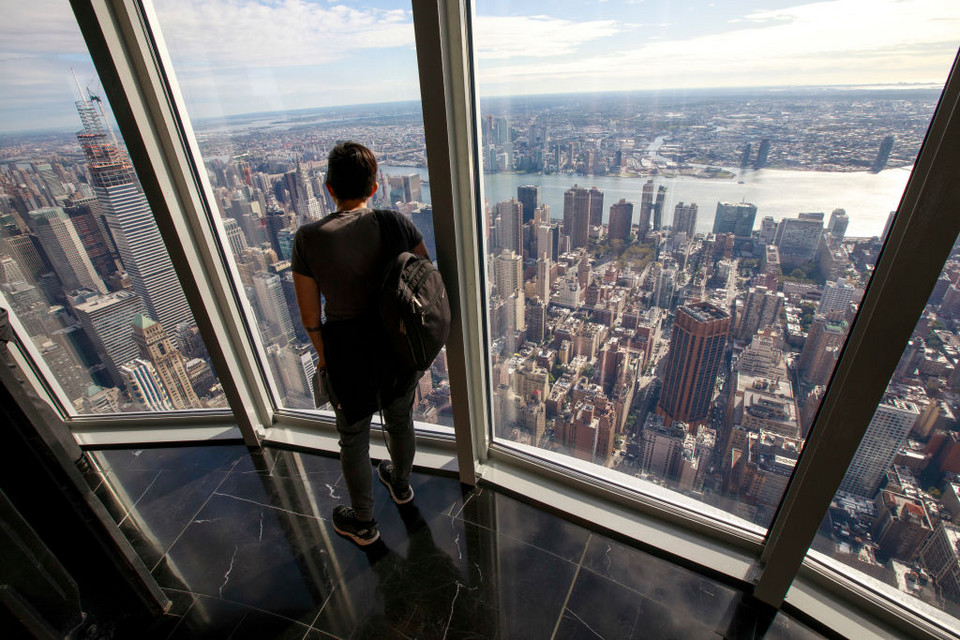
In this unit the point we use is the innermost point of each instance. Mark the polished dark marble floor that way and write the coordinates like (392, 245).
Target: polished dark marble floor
(242, 544)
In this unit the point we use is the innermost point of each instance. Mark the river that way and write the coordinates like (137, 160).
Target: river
(868, 198)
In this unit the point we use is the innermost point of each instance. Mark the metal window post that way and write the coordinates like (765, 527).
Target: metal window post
(136, 76)
(916, 248)
(447, 101)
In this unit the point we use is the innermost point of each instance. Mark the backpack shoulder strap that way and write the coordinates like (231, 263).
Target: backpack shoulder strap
(390, 238)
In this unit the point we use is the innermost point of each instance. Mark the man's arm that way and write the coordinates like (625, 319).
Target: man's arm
(308, 299)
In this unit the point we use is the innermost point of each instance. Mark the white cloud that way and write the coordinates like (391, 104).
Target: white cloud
(217, 34)
(502, 37)
(829, 42)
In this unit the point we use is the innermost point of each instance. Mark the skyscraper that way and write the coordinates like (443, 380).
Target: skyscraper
(268, 291)
(885, 434)
(64, 249)
(664, 287)
(576, 216)
(529, 197)
(155, 345)
(510, 226)
(543, 278)
(838, 223)
(108, 323)
(131, 221)
(798, 239)
(596, 207)
(93, 235)
(735, 217)
(836, 296)
(883, 154)
(621, 220)
(761, 310)
(658, 208)
(762, 154)
(685, 219)
(693, 361)
(508, 273)
(646, 209)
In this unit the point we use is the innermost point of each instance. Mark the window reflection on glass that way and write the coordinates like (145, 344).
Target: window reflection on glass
(82, 263)
(270, 88)
(683, 204)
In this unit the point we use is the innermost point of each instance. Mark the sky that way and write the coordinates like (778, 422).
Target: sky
(242, 56)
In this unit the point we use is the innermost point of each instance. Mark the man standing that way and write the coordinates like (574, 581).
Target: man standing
(342, 257)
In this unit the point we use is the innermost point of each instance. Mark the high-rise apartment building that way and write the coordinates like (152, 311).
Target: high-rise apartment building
(836, 296)
(658, 208)
(736, 218)
(131, 221)
(423, 221)
(92, 233)
(685, 219)
(157, 347)
(268, 290)
(693, 361)
(529, 197)
(508, 273)
(543, 279)
(576, 216)
(235, 237)
(621, 220)
(646, 209)
(884, 436)
(761, 310)
(64, 250)
(837, 226)
(798, 239)
(510, 226)
(411, 188)
(108, 323)
(822, 348)
(596, 207)
(21, 248)
(665, 287)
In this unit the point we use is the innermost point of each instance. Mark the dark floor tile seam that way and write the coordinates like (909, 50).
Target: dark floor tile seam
(266, 505)
(573, 583)
(193, 517)
(126, 511)
(323, 606)
(202, 596)
(454, 520)
(638, 552)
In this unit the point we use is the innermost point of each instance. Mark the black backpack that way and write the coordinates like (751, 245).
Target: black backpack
(413, 300)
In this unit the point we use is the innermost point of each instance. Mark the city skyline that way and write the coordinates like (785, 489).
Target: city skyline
(657, 46)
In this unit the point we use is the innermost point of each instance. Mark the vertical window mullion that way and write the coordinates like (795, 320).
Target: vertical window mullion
(916, 248)
(132, 63)
(446, 97)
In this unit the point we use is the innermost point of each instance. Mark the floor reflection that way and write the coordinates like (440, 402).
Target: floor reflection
(242, 543)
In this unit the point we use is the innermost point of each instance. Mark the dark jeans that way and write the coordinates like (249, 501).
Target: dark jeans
(355, 449)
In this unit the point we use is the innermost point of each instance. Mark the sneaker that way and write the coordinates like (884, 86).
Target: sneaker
(345, 523)
(399, 495)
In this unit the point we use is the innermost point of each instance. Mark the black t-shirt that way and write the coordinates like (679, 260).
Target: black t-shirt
(342, 252)
(345, 253)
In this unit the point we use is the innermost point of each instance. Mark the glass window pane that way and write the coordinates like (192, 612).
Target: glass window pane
(270, 88)
(892, 520)
(82, 262)
(683, 203)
